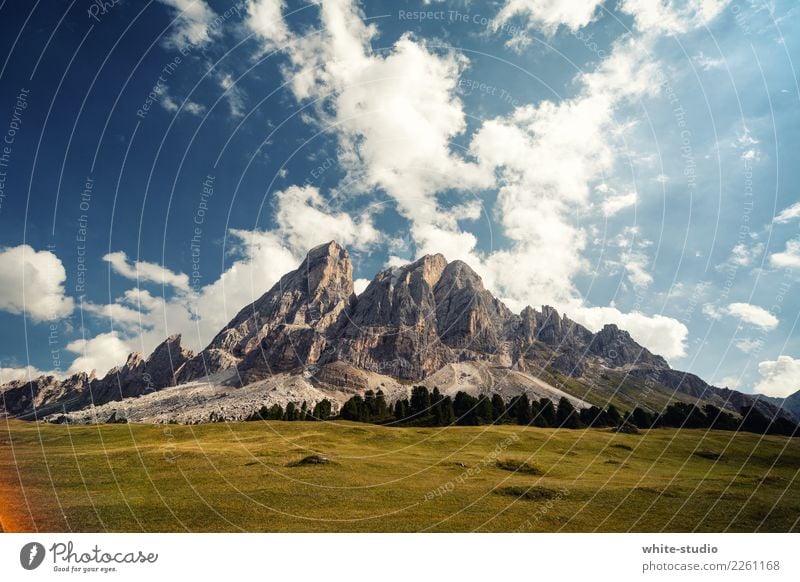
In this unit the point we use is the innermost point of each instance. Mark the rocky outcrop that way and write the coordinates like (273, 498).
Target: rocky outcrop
(288, 326)
(617, 349)
(47, 394)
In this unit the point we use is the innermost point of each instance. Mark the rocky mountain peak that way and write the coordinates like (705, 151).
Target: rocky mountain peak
(289, 325)
(327, 268)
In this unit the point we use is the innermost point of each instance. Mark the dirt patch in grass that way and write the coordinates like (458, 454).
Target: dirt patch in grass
(710, 455)
(518, 466)
(310, 460)
(534, 493)
(622, 446)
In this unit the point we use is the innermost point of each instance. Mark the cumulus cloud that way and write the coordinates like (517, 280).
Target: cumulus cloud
(789, 258)
(21, 374)
(145, 271)
(192, 22)
(265, 19)
(100, 353)
(394, 114)
(788, 214)
(779, 377)
(660, 334)
(618, 202)
(754, 315)
(672, 17)
(746, 312)
(548, 15)
(32, 282)
(306, 220)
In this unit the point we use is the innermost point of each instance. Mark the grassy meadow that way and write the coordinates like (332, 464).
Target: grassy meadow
(249, 477)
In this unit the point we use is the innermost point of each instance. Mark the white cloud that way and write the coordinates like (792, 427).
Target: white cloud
(731, 382)
(617, 202)
(779, 377)
(21, 374)
(548, 15)
(233, 94)
(662, 335)
(707, 63)
(359, 285)
(305, 220)
(671, 16)
(100, 353)
(118, 315)
(264, 18)
(192, 25)
(789, 258)
(742, 255)
(748, 345)
(713, 312)
(754, 315)
(32, 282)
(636, 263)
(395, 113)
(788, 214)
(169, 104)
(145, 271)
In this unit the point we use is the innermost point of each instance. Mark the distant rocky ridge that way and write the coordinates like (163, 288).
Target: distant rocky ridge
(411, 324)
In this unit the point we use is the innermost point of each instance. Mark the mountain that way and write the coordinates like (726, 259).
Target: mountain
(431, 322)
(46, 394)
(289, 326)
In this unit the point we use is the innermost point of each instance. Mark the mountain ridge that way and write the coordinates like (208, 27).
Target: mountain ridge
(409, 323)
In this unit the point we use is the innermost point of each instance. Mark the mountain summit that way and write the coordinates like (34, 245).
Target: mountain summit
(430, 321)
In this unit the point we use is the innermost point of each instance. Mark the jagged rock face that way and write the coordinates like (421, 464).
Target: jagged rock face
(617, 348)
(393, 328)
(23, 398)
(139, 376)
(134, 378)
(289, 325)
(468, 317)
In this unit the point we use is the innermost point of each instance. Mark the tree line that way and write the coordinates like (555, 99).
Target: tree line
(432, 408)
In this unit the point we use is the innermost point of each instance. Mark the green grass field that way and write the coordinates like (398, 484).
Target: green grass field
(233, 477)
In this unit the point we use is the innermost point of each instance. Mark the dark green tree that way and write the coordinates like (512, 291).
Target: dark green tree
(484, 411)
(566, 415)
(641, 418)
(464, 407)
(548, 412)
(401, 410)
(322, 410)
(590, 416)
(522, 410)
(382, 413)
(353, 409)
(420, 401)
(498, 409)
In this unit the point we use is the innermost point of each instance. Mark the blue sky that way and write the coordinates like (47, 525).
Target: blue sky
(629, 162)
